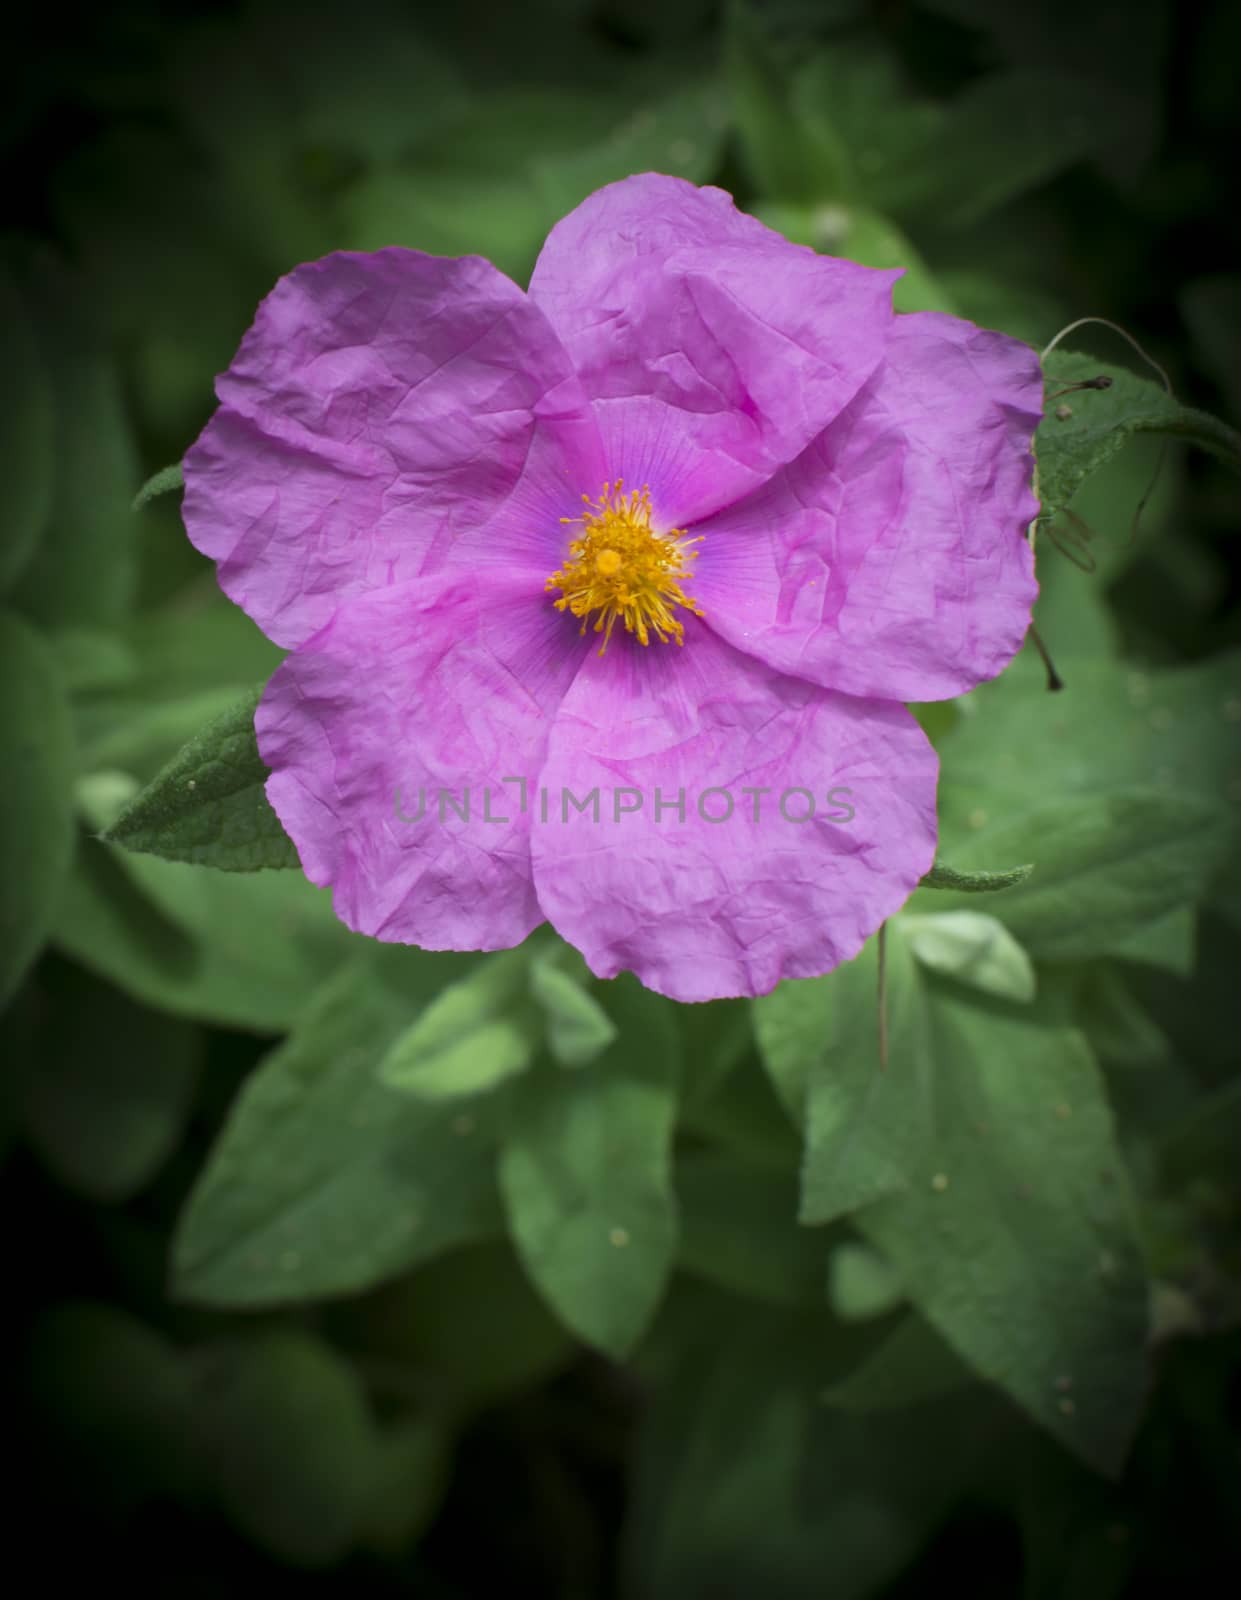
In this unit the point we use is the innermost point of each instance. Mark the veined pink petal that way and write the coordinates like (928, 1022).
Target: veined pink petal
(714, 350)
(382, 409)
(377, 727)
(398, 466)
(890, 559)
(700, 909)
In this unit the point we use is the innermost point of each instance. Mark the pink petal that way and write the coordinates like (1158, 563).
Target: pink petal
(714, 349)
(890, 559)
(440, 685)
(382, 408)
(697, 909)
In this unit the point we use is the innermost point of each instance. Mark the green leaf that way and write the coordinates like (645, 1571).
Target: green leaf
(36, 802)
(745, 1486)
(1114, 728)
(1007, 293)
(866, 237)
(475, 184)
(585, 1170)
(171, 287)
(1070, 448)
(470, 1038)
(1018, 1243)
(679, 133)
(1118, 1026)
(973, 948)
(717, 1037)
(1170, 943)
(428, 1322)
(1004, 134)
(788, 157)
(1107, 865)
(911, 1365)
(27, 430)
(1116, 741)
(739, 1229)
(108, 1098)
(325, 1181)
(186, 665)
(741, 1109)
(94, 660)
(164, 481)
(867, 1126)
(365, 83)
(577, 1027)
(291, 1442)
(1205, 1141)
(248, 950)
(208, 805)
(861, 1285)
(84, 569)
(942, 876)
(1076, 1541)
(1131, 506)
(856, 98)
(242, 950)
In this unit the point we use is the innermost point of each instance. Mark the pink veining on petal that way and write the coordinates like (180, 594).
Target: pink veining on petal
(713, 349)
(401, 448)
(410, 694)
(701, 909)
(381, 408)
(891, 558)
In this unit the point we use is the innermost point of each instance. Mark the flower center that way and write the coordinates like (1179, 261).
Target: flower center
(621, 568)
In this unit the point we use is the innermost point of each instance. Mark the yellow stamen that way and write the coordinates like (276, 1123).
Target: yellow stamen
(621, 568)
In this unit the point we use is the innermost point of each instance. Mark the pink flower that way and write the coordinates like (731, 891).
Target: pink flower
(780, 509)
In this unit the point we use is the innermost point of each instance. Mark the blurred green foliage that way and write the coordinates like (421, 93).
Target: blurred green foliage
(448, 1275)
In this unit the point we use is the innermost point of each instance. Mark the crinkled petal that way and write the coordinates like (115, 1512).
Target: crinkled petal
(383, 409)
(714, 349)
(702, 909)
(415, 701)
(890, 558)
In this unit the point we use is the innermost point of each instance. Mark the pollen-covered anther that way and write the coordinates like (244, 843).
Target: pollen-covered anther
(620, 569)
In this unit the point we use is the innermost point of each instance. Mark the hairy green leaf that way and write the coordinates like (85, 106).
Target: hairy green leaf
(867, 1126)
(1108, 864)
(1124, 782)
(1085, 428)
(1018, 1242)
(165, 481)
(942, 876)
(324, 1180)
(585, 1170)
(208, 805)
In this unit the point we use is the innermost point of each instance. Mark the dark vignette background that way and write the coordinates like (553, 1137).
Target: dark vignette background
(161, 165)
